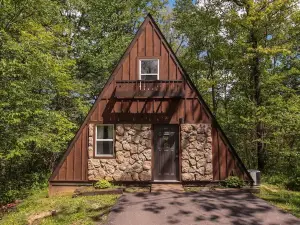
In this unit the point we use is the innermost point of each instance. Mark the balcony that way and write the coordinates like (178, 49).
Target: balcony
(140, 89)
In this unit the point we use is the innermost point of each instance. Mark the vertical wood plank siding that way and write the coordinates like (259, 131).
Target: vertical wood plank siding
(74, 168)
(110, 110)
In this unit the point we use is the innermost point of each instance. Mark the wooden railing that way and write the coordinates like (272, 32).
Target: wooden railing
(149, 89)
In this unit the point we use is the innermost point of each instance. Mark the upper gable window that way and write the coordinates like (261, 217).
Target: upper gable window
(149, 69)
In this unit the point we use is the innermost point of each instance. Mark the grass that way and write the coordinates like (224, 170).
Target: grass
(202, 188)
(137, 189)
(192, 188)
(80, 210)
(287, 200)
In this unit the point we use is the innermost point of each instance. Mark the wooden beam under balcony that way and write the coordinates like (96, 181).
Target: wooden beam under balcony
(140, 89)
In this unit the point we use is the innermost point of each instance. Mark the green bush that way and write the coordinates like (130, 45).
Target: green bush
(275, 179)
(293, 183)
(102, 184)
(233, 182)
(13, 189)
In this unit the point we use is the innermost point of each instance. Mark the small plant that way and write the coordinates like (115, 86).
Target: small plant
(102, 184)
(233, 182)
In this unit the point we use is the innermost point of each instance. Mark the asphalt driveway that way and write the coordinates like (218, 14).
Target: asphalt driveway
(205, 207)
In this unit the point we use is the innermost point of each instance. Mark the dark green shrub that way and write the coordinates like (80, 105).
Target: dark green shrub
(233, 182)
(13, 189)
(102, 184)
(293, 183)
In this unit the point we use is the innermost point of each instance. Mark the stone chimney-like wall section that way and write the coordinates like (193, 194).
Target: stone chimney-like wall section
(196, 145)
(132, 161)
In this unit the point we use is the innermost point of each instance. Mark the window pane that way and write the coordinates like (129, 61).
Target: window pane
(149, 77)
(104, 148)
(104, 132)
(149, 66)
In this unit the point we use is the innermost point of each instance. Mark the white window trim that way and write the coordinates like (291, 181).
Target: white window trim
(112, 140)
(148, 74)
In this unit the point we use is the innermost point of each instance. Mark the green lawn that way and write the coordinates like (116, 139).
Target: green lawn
(80, 210)
(282, 198)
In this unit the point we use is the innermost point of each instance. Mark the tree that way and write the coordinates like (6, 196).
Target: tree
(251, 49)
(54, 58)
(101, 31)
(40, 97)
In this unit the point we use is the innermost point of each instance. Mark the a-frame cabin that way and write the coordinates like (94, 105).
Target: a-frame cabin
(148, 124)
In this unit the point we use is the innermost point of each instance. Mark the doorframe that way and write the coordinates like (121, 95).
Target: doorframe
(179, 152)
(153, 154)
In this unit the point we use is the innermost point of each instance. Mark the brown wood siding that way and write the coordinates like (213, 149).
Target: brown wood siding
(77, 160)
(84, 154)
(156, 44)
(74, 167)
(164, 70)
(149, 43)
(149, 40)
(125, 72)
(70, 165)
(133, 63)
(141, 44)
(224, 164)
(215, 155)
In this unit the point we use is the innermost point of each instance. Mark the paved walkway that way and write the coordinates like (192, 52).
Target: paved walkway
(205, 207)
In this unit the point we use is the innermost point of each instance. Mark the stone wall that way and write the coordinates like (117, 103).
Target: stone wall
(132, 161)
(196, 145)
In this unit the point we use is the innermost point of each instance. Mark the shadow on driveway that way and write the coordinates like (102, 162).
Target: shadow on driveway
(205, 207)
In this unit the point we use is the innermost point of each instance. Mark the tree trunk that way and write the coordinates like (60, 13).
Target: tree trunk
(256, 79)
(213, 86)
(214, 102)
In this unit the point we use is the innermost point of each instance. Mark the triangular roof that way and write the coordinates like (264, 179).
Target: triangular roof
(149, 19)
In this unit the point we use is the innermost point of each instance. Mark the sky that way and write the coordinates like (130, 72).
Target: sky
(171, 2)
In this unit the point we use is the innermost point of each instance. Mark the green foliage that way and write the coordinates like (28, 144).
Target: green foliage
(293, 183)
(275, 179)
(102, 184)
(244, 59)
(70, 210)
(38, 108)
(282, 198)
(111, 26)
(233, 182)
(19, 189)
(54, 59)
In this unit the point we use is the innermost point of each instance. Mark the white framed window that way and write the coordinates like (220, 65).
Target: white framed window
(104, 140)
(149, 69)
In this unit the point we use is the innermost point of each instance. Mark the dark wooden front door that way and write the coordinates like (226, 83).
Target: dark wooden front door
(166, 152)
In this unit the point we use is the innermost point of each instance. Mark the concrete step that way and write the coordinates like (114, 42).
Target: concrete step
(167, 188)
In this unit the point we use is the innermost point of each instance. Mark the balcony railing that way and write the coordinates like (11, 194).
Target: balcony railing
(149, 89)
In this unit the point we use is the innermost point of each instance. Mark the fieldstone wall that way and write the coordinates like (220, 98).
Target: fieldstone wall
(132, 161)
(196, 145)
(91, 141)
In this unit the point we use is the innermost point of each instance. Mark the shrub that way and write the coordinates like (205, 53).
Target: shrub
(233, 182)
(102, 184)
(275, 179)
(293, 183)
